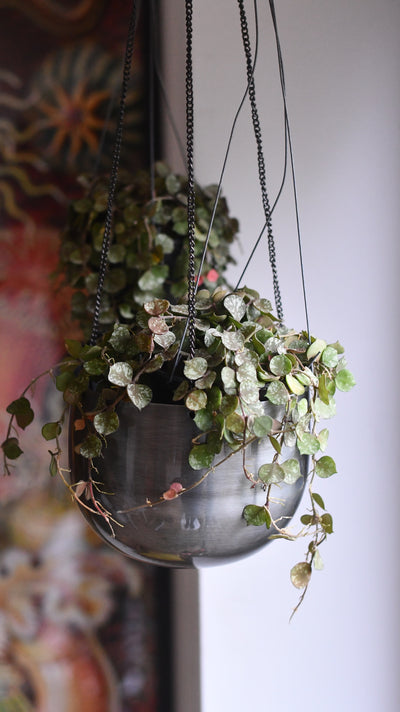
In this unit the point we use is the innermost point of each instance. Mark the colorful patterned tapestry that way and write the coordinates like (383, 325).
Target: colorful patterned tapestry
(79, 626)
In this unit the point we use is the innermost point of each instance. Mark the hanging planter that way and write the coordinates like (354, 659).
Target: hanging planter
(147, 459)
(149, 254)
(195, 425)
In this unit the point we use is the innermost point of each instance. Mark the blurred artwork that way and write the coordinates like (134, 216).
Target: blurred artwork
(78, 623)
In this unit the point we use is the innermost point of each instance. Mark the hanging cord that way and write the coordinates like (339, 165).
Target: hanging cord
(191, 197)
(289, 142)
(260, 153)
(114, 172)
(224, 164)
(215, 206)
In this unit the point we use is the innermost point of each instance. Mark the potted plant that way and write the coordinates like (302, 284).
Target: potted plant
(251, 400)
(149, 254)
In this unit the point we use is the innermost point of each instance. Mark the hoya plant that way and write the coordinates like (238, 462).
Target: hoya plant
(244, 358)
(149, 254)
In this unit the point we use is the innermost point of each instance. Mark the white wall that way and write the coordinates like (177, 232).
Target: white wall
(342, 63)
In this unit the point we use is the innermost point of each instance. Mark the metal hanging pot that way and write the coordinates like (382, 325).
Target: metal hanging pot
(204, 526)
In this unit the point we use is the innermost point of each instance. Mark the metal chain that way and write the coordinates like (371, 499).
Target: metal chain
(260, 158)
(191, 197)
(114, 172)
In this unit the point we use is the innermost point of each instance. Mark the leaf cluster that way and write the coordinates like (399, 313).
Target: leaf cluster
(244, 357)
(149, 250)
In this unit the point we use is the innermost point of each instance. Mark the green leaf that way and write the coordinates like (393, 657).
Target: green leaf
(235, 306)
(165, 340)
(139, 394)
(330, 357)
(294, 385)
(206, 381)
(262, 426)
(120, 337)
(53, 469)
(229, 404)
(21, 409)
(317, 561)
(277, 393)
(233, 340)
(302, 407)
(172, 184)
(263, 305)
(165, 242)
(271, 473)
(180, 391)
(323, 390)
(257, 516)
(275, 444)
(327, 523)
(195, 368)
(306, 519)
(323, 438)
(235, 423)
(90, 447)
(280, 365)
(90, 352)
(214, 399)
(300, 574)
(308, 444)
(324, 411)
(249, 391)
(120, 373)
(106, 423)
(63, 380)
(154, 364)
(75, 388)
(291, 469)
(325, 467)
(153, 278)
(73, 347)
(304, 378)
(201, 456)
(196, 399)
(203, 419)
(11, 448)
(316, 348)
(228, 379)
(345, 380)
(51, 430)
(95, 367)
(318, 499)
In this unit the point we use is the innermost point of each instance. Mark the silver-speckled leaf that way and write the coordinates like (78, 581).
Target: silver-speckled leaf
(120, 373)
(300, 574)
(233, 340)
(292, 470)
(247, 371)
(158, 325)
(271, 473)
(165, 340)
(139, 394)
(195, 368)
(196, 400)
(106, 423)
(229, 379)
(235, 306)
(249, 391)
(277, 393)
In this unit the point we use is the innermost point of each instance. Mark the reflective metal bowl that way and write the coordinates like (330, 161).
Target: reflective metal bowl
(202, 527)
